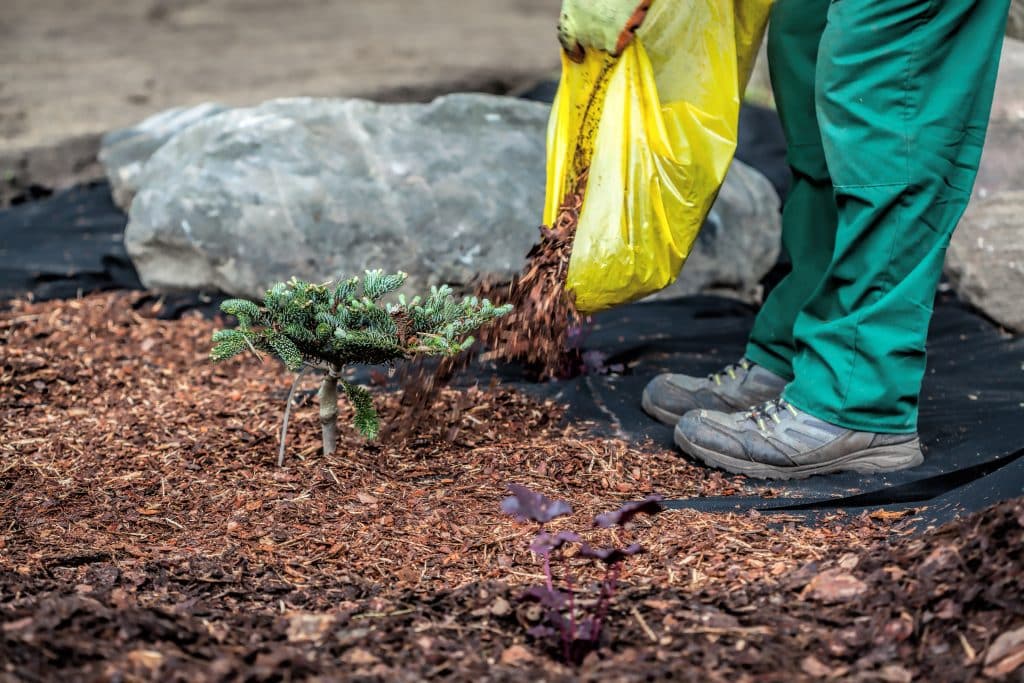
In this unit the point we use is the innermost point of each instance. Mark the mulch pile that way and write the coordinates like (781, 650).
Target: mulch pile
(145, 533)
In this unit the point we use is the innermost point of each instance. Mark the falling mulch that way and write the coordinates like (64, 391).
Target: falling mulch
(145, 534)
(537, 330)
(536, 333)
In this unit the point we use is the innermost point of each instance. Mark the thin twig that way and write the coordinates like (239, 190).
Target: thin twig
(287, 414)
(643, 624)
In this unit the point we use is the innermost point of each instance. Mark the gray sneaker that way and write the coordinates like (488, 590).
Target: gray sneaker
(778, 441)
(667, 398)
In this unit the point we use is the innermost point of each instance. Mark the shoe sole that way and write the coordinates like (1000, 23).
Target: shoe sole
(867, 461)
(660, 414)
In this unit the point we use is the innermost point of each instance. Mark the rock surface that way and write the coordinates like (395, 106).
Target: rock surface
(1015, 26)
(1002, 162)
(985, 260)
(124, 152)
(317, 188)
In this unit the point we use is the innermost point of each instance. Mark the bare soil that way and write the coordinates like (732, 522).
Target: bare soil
(70, 72)
(145, 534)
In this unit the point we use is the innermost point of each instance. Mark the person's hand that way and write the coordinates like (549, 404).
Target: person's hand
(606, 25)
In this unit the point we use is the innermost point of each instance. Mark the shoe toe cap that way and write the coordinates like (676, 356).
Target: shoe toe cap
(705, 429)
(666, 393)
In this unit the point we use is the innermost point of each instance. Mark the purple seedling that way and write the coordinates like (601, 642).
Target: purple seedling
(526, 505)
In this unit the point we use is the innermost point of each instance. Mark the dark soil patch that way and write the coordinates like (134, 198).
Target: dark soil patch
(926, 609)
(145, 534)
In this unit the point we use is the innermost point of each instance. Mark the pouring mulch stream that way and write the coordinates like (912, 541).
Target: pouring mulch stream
(535, 334)
(145, 534)
(537, 331)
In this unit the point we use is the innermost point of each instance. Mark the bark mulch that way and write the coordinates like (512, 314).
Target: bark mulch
(145, 534)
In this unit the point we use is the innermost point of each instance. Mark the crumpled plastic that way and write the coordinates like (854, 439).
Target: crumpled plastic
(653, 131)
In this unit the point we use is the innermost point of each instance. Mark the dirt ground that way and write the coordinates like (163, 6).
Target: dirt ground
(146, 534)
(72, 71)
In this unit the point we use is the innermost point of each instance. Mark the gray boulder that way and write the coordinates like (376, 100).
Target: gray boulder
(1015, 25)
(124, 152)
(318, 188)
(1001, 162)
(985, 259)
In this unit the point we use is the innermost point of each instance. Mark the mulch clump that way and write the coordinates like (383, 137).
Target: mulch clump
(145, 533)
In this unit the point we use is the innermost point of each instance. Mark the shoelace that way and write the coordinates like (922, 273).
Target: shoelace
(769, 410)
(729, 371)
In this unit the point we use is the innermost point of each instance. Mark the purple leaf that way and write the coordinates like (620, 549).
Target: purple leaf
(556, 619)
(545, 544)
(594, 363)
(610, 555)
(525, 505)
(651, 505)
(553, 599)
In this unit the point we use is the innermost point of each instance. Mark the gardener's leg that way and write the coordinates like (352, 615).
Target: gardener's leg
(904, 93)
(808, 220)
(809, 215)
(904, 89)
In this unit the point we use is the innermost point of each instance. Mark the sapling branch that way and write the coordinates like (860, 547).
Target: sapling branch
(332, 326)
(287, 414)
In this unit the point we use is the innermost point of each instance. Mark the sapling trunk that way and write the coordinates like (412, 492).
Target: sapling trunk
(329, 411)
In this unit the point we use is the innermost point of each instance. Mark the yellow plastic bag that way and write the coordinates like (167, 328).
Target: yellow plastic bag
(656, 127)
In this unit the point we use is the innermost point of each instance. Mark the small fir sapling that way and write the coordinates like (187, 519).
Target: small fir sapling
(578, 633)
(330, 326)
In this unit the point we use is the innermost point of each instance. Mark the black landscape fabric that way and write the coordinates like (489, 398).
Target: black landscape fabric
(972, 405)
(70, 243)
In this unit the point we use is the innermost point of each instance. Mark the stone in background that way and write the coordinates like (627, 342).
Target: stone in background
(124, 152)
(985, 260)
(1015, 27)
(319, 188)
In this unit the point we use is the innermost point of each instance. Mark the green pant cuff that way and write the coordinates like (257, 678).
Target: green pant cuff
(816, 409)
(759, 356)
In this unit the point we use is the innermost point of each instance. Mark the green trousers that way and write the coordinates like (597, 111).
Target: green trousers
(885, 104)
